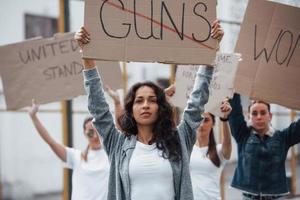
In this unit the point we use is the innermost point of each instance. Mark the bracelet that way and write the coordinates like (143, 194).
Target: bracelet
(224, 119)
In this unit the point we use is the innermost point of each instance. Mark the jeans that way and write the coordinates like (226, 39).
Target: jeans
(259, 197)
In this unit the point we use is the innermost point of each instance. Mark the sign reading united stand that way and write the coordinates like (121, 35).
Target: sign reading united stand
(167, 31)
(47, 70)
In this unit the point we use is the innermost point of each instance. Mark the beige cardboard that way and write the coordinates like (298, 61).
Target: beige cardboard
(184, 82)
(274, 78)
(221, 85)
(108, 25)
(46, 69)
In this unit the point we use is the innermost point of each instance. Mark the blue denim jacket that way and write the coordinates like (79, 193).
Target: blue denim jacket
(120, 148)
(261, 162)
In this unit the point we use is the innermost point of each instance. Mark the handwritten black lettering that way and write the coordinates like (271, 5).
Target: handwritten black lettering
(285, 36)
(164, 7)
(36, 55)
(296, 44)
(208, 24)
(104, 27)
(189, 75)
(51, 45)
(224, 59)
(63, 46)
(27, 57)
(136, 26)
(56, 72)
(215, 85)
(74, 45)
(279, 42)
(140, 18)
(43, 51)
(264, 50)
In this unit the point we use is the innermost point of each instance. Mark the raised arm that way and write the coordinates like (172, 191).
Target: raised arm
(195, 106)
(199, 96)
(292, 134)
(237, 122)
(97, 105)
(57, 148)
(117, 103)
(226, 143)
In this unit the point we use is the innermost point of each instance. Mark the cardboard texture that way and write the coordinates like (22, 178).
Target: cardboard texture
(48, 70)
(184, 82)
(269, 42)
(145, 31)
(221, 85)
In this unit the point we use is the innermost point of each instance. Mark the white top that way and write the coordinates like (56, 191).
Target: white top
(89, 179)
(206, 175)
(151, 176)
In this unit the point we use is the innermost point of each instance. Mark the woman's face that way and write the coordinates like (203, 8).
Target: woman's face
(260, 117)
(145, 107)
(206, 124)
(91, 134)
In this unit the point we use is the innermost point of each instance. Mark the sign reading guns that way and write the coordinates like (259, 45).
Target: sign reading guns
(169, 31)
(270, 44)
(48, 70)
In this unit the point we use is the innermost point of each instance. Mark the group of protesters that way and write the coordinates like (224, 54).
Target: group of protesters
(141, 153)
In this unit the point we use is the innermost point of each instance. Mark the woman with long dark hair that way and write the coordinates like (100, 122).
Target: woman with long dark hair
(151, 159)
(208, 158)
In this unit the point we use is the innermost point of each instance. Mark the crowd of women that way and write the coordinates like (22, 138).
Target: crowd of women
(144, 154)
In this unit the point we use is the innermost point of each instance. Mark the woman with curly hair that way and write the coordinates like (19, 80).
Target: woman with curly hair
(151, 159)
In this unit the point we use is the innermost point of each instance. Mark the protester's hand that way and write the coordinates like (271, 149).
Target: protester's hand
(82, 37)
(226, 108)
(113, 94)
(217, 31)
(33, 109)
(169, 92)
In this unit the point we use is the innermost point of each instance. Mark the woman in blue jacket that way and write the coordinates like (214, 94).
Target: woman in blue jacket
(262, 151)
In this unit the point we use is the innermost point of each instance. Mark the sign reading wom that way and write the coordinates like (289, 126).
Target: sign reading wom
(269, 42)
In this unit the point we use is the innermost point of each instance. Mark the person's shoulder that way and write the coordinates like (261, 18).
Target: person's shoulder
(76, 152)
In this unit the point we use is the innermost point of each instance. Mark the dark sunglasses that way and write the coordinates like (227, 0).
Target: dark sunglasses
(90, 133)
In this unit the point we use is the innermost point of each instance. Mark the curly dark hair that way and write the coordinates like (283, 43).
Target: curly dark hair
(165, 134)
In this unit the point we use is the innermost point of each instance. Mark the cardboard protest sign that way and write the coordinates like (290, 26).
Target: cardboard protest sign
(46, 69)
(184, 83)
(221, 85)
(167, 31)
(269, 42)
